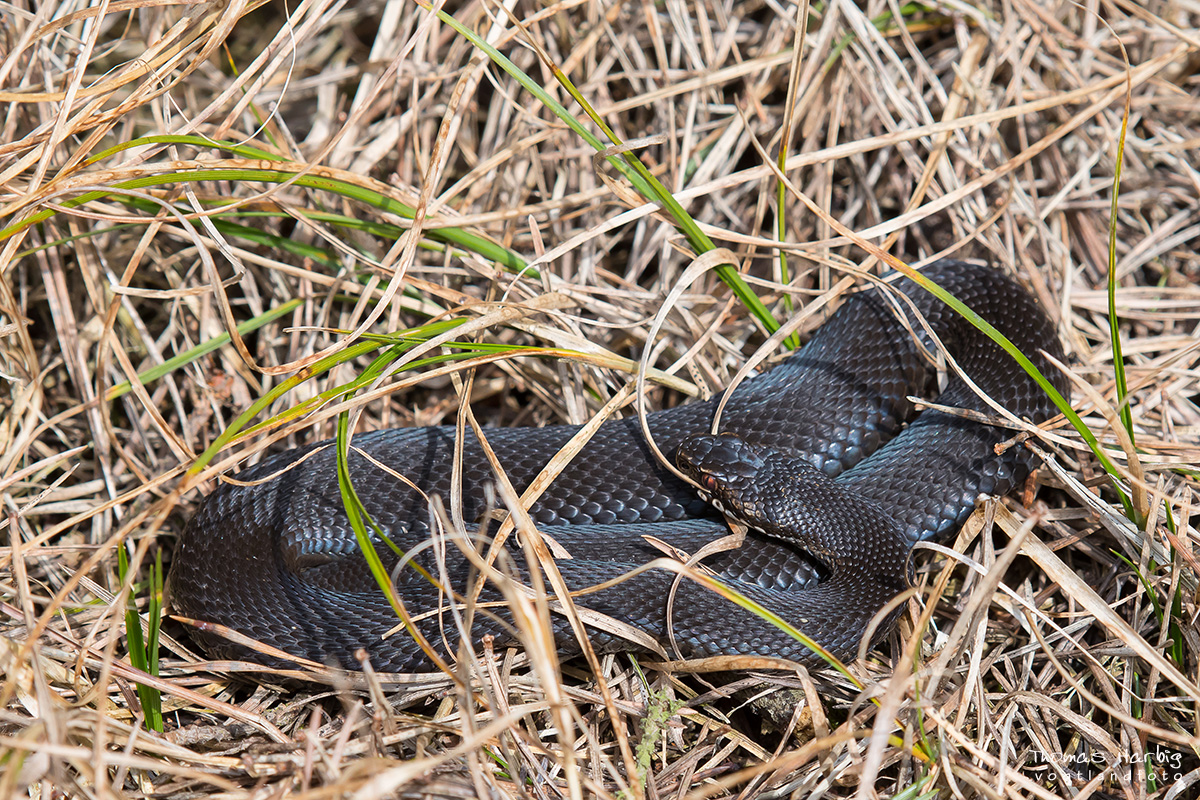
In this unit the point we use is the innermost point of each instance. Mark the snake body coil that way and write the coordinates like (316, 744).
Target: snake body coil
(830, 468)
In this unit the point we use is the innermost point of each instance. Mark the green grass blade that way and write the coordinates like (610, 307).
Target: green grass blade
(1114, 328)
(283, 387)
(456, 236)
(1059, 401)
(628, 164)
(200, 350)
(143, 655)
(189, 140)
(1160, 613)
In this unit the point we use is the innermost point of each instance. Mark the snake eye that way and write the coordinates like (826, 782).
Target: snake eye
(709, 482)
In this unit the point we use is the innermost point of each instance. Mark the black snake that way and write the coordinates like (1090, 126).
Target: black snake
(831, 469)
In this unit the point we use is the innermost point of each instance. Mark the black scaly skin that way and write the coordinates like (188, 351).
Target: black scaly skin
(278, 561)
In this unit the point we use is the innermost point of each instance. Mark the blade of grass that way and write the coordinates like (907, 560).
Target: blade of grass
(1114, 327)
(143, 651)
(202, 349)
(190, 140)
(327, 257)
(1135, 508)
(628, 164)
(765, 614)
(1160, 613)
(785, 144)
(355, 350)
(1060, 402)
(794, 92)
(456, 236)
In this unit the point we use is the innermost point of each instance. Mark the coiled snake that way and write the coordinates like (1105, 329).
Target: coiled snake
(833, 473)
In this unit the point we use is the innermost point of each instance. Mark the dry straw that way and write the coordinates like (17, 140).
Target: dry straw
(221, 197)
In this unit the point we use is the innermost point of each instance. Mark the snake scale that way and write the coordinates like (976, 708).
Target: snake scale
(824, 459)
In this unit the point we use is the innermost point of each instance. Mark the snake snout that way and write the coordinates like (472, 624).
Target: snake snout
(726, 469)
(726, 457)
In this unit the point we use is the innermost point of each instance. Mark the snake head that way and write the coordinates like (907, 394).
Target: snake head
(787, 498)
(739, 478)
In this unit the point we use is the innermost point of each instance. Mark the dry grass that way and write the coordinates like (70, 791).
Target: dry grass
(988, 132)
